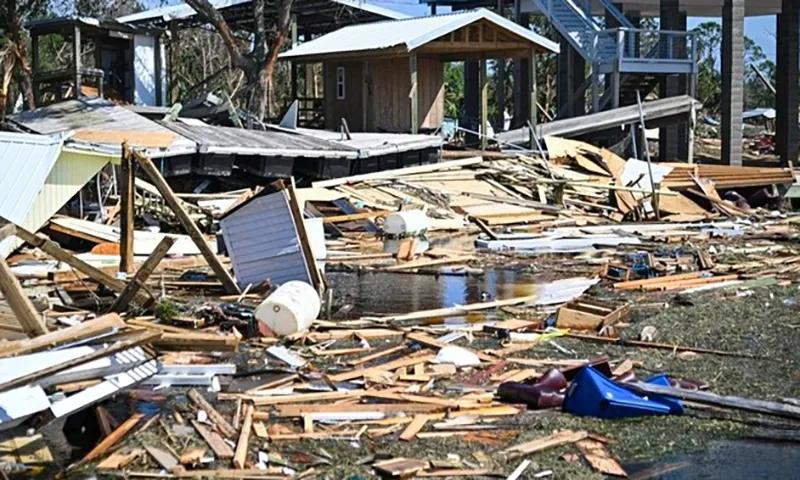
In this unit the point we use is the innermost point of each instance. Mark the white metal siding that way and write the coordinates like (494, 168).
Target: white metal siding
(262, 242)
(25, 163)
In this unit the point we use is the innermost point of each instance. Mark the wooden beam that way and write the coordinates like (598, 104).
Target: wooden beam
(222, 424)
(317, 280)
(183, 216)
(121, 303)
(414, 93)
(145, 336)
(532, 75)
(87, 329)
(217, 444)
(20, 304)
(126, 198)
(240, 456)
(110, 440)
(484, 83)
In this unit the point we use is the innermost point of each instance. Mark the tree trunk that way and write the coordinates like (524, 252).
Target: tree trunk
(257, 95)
(25, 77)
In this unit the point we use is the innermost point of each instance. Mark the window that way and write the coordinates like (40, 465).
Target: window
(340, 83)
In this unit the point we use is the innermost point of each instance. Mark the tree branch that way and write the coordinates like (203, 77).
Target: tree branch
(210, 14)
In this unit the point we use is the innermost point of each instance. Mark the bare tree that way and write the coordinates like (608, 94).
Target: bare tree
(255, 59)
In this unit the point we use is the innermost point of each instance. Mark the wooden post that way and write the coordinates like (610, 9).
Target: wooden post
(183, 217)
(414, 94)
(20, 304)
(240, 456)
(532, 75)
(76, 57)
(173, 63)
(126, 202)
(484, 83)
(142, 274)
(157, 62)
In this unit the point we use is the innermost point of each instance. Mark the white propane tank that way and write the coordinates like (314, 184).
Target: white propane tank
(290, 309)
(406, 223)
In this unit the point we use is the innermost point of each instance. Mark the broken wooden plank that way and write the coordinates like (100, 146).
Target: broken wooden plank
(240, 456)
(216, 417)
(400, 467)
(414, 427)
(188, 224)
(356, 216)
(165, 459)
(599, 458)
(397, 172)
(27, 316)
(110, 440)
(421, 357)
(87, 329)
(299, 410)
(142, 275)
(138, 338)
(429, 263)
(429, 341)
(197, 342)
(214, 440)
(119, 460)
(561, 438)
(192, 456)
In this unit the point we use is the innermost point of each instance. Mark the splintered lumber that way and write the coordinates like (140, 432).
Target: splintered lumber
(406, 397)
(377, 355)
(737, 403)
(308, 397)
(142, 275)
(193, 456)
(599, 458)
(299, 410)
(244, 438)
(561, 438)
(458, 310)
(356, 216)
(139, 338)
(397, 172)
(27, 316)
(636, 284)
(456, 472)
(165, 459)
(197, 342)
(388, 366)
(87, 329)
(51, 248)
(414, 427)
(429, 263)
(429, 341)
(188, 224)
(119, 460)
(110, 440)
(220, 421)
(400, 467)
(214, 440)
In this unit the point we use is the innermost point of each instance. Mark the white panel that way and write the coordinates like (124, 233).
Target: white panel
(144, 70)
(25, 163)
(262, 242)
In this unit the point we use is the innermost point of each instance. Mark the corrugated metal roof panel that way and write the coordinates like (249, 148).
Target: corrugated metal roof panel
(213, 139)
(97, 114)
(409, 34)
(262, 242)
(26, 163)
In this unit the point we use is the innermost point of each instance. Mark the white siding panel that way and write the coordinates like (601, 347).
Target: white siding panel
(262, 242)
(25, 163)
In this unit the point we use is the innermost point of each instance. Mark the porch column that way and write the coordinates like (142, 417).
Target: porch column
(414, 94)
(522, 106)
(571, 75)
(500, 82)
(484, 84)
(786, 136)
(670, 86)
(732, 81)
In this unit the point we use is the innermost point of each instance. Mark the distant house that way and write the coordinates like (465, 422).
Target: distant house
(389, 76)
